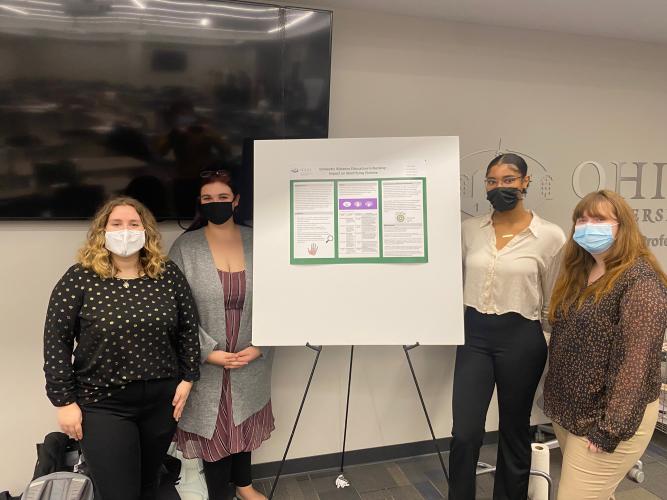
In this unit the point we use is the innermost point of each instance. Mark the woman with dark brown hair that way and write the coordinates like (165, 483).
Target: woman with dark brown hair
(608, 314)
(507, 269)
(229, 412)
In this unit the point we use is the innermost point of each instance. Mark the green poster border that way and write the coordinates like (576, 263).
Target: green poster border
(359, 260)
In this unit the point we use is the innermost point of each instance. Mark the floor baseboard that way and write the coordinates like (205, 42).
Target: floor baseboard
(357, 457)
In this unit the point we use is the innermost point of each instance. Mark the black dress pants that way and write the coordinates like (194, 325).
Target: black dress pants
(510, 352)
(126, 437)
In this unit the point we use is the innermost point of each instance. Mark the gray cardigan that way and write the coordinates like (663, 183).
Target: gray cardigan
(251, 385)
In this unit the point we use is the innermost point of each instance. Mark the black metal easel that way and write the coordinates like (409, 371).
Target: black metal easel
(318, 349)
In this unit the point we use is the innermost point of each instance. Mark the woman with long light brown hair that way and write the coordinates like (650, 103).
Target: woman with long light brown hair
(121, 350)
(608, 314)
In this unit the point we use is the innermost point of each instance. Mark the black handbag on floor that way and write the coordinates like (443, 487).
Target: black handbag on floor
(6, 496)
(58, 453)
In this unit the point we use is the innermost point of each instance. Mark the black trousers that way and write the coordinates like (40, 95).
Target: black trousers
(507, 351)
(126, 437)
(235, 468)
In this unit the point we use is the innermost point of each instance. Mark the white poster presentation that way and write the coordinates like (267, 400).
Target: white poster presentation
(357, 242)
(353, 215)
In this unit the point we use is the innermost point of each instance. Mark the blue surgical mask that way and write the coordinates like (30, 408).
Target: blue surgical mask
(594, 238)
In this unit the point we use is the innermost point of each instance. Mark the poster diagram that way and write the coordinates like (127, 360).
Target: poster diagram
(378, 220)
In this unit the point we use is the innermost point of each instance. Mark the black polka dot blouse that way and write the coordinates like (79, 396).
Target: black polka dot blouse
(102, 334)
(604, 359)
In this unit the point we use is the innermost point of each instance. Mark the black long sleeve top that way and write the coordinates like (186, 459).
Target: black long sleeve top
(102, 334)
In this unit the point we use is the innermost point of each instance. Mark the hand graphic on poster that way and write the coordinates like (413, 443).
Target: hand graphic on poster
(312, 250)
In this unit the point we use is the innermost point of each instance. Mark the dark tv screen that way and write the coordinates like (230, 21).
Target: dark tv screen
(138, 97)
(169, 60)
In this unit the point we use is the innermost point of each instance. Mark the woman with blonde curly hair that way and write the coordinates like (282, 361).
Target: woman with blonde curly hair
(121, 350)
(608, 314)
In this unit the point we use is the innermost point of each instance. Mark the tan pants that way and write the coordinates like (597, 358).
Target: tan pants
(595, 476)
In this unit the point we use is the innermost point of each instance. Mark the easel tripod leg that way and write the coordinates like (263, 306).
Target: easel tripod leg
(318, 349)
(341, 481)
(407, 350)
(347, 409)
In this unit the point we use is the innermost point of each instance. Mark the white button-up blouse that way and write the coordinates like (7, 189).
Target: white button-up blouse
(518, 278)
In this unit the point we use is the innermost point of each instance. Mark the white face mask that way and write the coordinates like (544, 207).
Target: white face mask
(125, 242)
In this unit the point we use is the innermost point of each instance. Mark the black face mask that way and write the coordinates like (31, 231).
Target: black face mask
(217, 212)
(503, 199)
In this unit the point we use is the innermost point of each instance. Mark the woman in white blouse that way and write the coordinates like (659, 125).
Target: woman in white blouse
(508, 256)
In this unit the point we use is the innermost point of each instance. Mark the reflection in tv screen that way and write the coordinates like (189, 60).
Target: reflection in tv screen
(138, 97)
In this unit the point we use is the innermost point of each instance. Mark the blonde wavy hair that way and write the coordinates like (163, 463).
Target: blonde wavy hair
(629, 245)
(94, 256)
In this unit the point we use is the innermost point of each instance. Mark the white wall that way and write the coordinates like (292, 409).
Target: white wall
(564, 99)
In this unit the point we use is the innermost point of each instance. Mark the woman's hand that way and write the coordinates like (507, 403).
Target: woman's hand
(180, 398)
(592, 448)
(229, 360)
(249, 354)
(69, 420)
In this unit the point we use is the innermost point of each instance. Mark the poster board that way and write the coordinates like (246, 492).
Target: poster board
(357, 242)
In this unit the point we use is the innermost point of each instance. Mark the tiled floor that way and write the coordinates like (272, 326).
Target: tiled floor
(421, 478)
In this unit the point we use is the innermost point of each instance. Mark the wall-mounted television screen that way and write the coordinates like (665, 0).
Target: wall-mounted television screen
(107, 97)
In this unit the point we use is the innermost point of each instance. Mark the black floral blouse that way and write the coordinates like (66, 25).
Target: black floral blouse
(101, 334)
(604, 360)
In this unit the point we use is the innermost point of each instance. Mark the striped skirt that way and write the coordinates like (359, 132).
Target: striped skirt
(229, 438)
